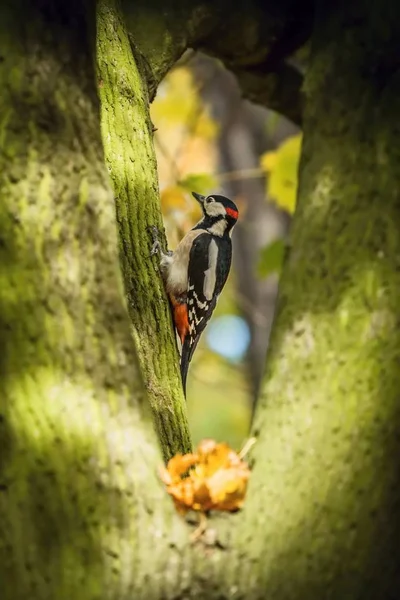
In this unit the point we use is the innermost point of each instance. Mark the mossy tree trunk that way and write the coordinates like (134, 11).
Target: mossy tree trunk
(80, 499)
(128, 143)
(82, 513)
(325, 492)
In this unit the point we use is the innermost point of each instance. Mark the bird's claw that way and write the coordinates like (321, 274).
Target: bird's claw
(153, 229)
(156, 247)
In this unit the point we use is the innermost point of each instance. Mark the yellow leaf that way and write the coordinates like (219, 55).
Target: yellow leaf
(282, 167)
(206, 127)
(268, 161)
(180, 464)
(202, 183)
(177, 98)
(173, 198)
(228, 488)
(214, 478)
(178, 102)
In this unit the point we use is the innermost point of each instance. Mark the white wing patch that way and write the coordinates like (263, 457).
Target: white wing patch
(201, 305)
(193, 320)
(210, 276)
(195, 305)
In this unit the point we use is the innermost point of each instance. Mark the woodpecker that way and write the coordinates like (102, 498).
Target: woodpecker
(196, 272)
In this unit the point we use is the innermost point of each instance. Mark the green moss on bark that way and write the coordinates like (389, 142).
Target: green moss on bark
(128, 142)
(76, 502)
(325, 490)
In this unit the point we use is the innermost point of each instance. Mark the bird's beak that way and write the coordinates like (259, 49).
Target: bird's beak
(199, 197)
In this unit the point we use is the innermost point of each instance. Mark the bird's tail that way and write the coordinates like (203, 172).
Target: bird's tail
(189, 346)
(185, 360)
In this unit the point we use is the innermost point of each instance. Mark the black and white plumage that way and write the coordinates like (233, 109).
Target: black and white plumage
(209, 264)
(196, 272)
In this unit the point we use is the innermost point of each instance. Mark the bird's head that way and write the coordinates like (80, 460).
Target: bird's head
(219, 213)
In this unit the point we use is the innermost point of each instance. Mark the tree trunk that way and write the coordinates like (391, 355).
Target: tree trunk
(325, 491)
(128, 142)
(79, 492)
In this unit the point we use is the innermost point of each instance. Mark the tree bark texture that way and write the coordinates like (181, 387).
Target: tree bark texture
(128, 143)
(81, 506)
(328, 421)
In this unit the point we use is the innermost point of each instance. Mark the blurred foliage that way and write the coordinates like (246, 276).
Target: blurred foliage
(203, 183)
(272, 122)
(281, 166)
(178, 104)
(218, 398)
(187, 156)
(270, 259)
(217, 391)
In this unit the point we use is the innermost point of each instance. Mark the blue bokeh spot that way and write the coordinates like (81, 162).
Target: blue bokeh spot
(229, 336)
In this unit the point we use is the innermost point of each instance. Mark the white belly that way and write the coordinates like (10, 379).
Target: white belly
(175, 267)
(177, 277)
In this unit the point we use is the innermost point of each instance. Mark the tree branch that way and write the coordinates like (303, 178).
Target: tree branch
(279, 89)
(252, 40)
(128, 143)
(79, 491)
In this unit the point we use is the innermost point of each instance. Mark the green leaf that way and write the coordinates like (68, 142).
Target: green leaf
(270, 259)
(272, 122)
(203, 183)
(281, 167)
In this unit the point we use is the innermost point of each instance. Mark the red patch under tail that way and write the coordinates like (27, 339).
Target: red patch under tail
(180, 318)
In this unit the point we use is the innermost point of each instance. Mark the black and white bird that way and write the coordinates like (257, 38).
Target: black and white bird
(196, 272)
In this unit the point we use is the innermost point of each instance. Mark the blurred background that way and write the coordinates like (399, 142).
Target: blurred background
(209, 139)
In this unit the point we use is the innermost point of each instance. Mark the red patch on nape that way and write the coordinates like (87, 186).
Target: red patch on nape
(232, 213)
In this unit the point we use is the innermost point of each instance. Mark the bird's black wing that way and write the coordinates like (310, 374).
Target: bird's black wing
(209, 264)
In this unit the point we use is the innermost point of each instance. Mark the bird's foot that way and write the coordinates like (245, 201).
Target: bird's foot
(156, 247)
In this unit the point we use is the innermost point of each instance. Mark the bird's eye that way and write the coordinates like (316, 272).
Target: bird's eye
(210, 199)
